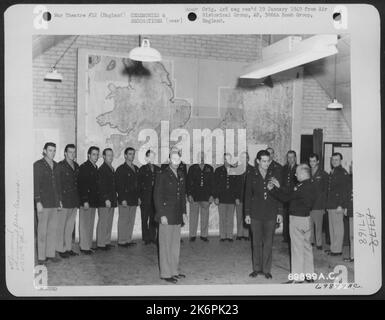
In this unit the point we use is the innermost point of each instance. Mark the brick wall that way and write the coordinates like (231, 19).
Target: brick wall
(315, 115)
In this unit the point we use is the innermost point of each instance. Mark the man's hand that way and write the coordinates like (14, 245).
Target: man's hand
(237, 202)
(340, 209)
(211, 199)
(124, 203)
(60, 205)
(247, 219)
(190, 199)
(86, 205)
(279, 219)
(108, 203)
(270, 185)
(275, 182)
(163, 220)
(39, 207)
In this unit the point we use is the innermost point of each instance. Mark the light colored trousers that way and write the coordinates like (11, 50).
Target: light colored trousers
(316, 219)
(86, 227)
(104, 227)
(46, 233)
(195, 207)
(301, 250)
(242, 230)
(126, 222)
(226, 220)
(65, 229)
(351, 236)
(169, 250)
(336, 227)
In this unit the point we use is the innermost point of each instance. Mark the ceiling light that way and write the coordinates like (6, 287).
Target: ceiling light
(53, 75)
(145, 53)
(335, 105)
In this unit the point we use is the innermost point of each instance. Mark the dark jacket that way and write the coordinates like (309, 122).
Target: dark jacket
(88, 184)
(200, 183)
(46, 184)
(320, 181)
(349, 200)
(276, 170)
(227, 187)
(106, 186)
(127, 184)
(259, 203)
(182, 167)
(249, 169)
(69, 184)
(288, 178)
(170, 196)
(146, 179)
(301, 198)
(338, 188)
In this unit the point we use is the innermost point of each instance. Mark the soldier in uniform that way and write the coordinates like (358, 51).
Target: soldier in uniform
(288, 181)
(170, 206)
(88, 194)
(244, 168)
(147, 176)
(274, 165)
(200, 185)
(47, 200)
(182, 166)
(227, 194)
(337, 195)
(349, 213)
(319, 179)
(261, 215)
(127, 187)
(107, 201)
(301, 200)
(68, 171)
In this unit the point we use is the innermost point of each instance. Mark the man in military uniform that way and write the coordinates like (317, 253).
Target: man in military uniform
(107, 201)
(182, 166)
(227, 194)
(88, 194)
(68, 171)
(274, 165)
(320, 179)
(127, 187)
(200, 185)
(288, 181)
(170, 206)
(147, 176)
(47, 200)
(261, 215)
(301, 200)
(244, 168)
(337, 195)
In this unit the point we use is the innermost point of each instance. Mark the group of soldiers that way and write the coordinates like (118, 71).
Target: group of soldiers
(261, 197)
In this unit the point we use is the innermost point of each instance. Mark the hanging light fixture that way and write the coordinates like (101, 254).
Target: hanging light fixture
(335, 105)
(53, 75)
(144, 52)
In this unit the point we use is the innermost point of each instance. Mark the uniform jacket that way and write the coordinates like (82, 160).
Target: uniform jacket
(182, 167)
(88, 184)
(106, 185)
(301, 198)
(170, 196)
(320, 181)
(338, 188)
(127, 184)
(249, 169)
(69, 184)
(146, 179)
(288, 179)
(276, 169)
(227, 187)
(46, 184)
(259, 203)
(200, 183)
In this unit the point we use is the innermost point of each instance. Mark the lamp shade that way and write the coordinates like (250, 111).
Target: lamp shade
(145, 53)
(335, 105)
(53, 75)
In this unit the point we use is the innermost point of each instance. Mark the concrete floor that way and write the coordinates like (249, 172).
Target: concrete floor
(203, 263)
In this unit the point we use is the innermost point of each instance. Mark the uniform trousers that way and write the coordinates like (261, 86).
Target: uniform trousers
(197, 207)
(226, 220)
(148, 222)
(336, 227)
(301, 250)
(126, 222)
(65, 229)
(86, 227)
(316, 220)
(104, 226)
(242, 229)
(169, 250)
(46, 233)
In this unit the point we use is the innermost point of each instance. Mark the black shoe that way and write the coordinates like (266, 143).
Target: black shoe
(124, 245)
(238, 238)
(204, 239)
(349, 260)
(319, 247)
(63, 255)
(179, 276)
(230, 240)
(109, 246)
(131, 244)
(268, 275)
(102, 248)
(192, 239)
(327, 251)
(222, 240)
(72, 253)
(172, 280)
(41, 262)
(335, 254)
(246, 238)
(254, 274)
(54, 260)
(87, 252)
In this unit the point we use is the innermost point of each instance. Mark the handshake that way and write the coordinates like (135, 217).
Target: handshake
(273, 182)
